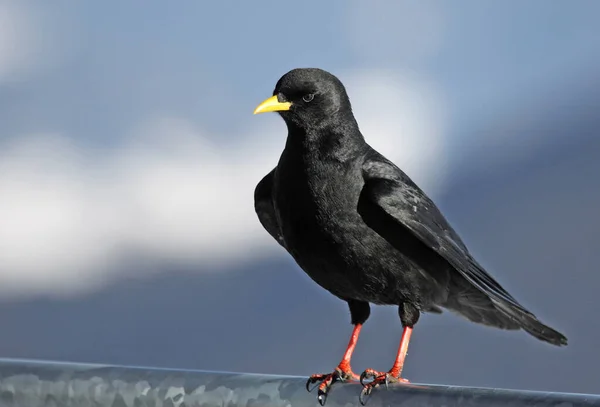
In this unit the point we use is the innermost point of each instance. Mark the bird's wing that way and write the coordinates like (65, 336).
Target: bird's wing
(391, 203)
(263, 205)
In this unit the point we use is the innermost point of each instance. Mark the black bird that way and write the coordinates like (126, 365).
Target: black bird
(364, 231)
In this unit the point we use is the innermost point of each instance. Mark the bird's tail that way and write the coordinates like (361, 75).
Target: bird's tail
(495, 307)
(530, 324)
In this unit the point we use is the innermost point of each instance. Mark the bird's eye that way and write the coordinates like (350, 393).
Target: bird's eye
(308, 97)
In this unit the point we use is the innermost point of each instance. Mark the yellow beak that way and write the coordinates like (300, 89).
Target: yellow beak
(272, 105)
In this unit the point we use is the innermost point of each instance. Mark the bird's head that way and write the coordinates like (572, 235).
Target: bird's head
(309, 98)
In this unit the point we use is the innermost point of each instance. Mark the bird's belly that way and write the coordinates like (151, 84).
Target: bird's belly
(358, 264)
(334, 246)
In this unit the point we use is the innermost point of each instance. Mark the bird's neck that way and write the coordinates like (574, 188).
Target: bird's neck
(337, 142)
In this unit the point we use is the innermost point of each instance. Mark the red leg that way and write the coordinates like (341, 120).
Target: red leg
(393, 375)
(344, 365)
(341, 373)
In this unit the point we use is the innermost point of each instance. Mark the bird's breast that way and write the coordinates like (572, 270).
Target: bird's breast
(316, 203)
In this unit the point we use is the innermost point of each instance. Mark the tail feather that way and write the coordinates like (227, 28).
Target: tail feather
(530, 324)
(491, 310)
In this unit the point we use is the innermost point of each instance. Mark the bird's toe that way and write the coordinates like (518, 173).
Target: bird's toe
(379, 378)
(326, 380)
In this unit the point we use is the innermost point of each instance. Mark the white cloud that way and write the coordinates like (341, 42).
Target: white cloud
(69, 214)
(402, 116)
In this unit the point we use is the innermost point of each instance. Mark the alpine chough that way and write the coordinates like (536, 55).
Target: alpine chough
(364, 231)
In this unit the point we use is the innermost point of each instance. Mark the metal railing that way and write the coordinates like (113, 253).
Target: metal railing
(32, 383)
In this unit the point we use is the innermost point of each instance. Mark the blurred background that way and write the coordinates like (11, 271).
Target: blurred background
(129, 155)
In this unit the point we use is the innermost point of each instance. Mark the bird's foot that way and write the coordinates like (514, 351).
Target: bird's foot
(379, 378)
(340, 374)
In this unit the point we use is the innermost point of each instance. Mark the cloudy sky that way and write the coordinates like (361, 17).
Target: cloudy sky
(127, 128)
(127, 136)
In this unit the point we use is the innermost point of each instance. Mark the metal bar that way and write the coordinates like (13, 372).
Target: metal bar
(29, 383)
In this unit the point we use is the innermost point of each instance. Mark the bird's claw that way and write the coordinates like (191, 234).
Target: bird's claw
(379, 378)
(322, 396)
(369, 374)
(327, 380)
(365, 392)
(315, 379)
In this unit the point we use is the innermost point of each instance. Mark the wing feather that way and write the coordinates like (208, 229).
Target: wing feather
(390, 200)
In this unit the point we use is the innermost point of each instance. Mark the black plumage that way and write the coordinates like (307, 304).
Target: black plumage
(361, 228)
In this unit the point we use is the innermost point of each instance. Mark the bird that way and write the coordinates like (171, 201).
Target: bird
(360, 228)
